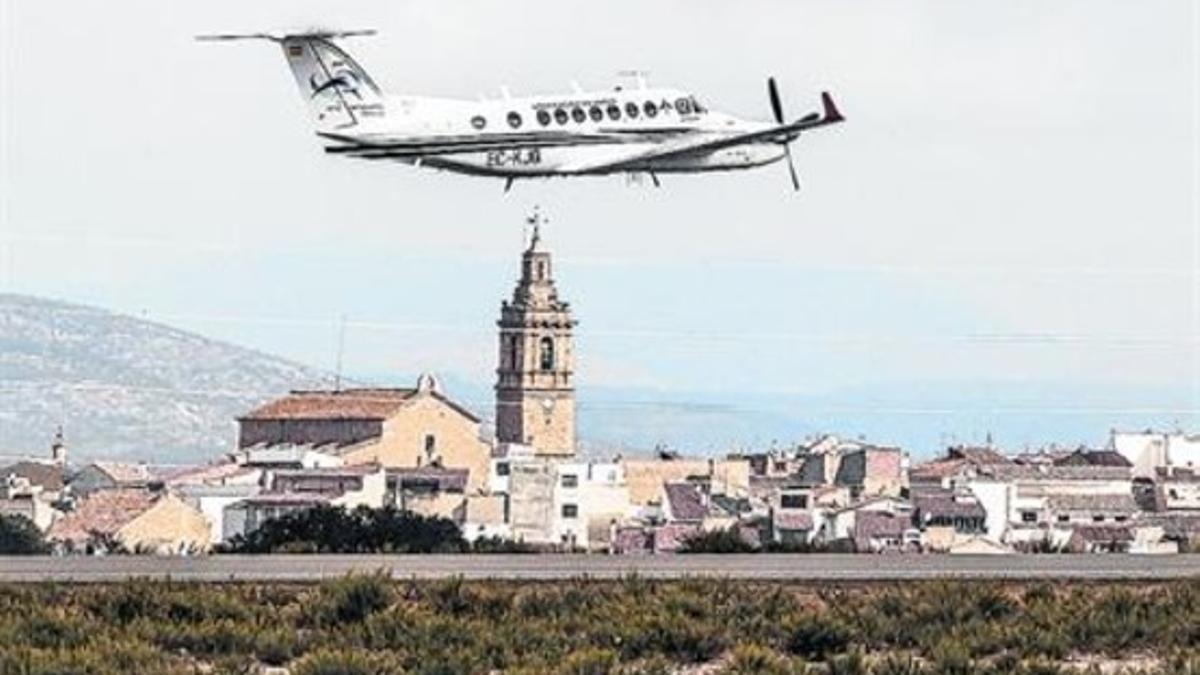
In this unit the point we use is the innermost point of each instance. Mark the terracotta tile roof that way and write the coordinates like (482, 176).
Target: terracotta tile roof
(372, 404)
(684, 501)
(208, 474)
(124, 472)
(944, 503)
(872, 525)
(937, 469)
(104, 512)
(377, 403)
(45, 474)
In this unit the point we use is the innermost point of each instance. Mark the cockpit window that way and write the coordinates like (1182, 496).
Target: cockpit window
(578, 115)
(560, 115)
(651, 109)
(683, 106)
(631, 109)
(543, 117)
(697, 107)
(614, 111)
(596, 113)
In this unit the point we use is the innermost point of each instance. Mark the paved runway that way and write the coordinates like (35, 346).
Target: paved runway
(816, 568)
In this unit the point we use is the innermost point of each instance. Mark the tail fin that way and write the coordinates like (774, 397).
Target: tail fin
(338, 92)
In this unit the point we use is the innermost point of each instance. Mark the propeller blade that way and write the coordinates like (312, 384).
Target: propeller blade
(787, 151)
(776, 105)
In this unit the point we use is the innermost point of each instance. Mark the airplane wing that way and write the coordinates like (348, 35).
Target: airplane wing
(692, 147)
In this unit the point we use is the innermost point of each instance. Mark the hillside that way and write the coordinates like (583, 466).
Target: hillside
(125, 387)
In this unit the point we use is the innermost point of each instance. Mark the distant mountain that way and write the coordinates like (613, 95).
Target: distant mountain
(124, 387)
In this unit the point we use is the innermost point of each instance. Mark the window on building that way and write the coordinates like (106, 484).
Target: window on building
(570, 480)
(631, 110)
(543, 117)
(512, 353)
(1121, 519)
(1028, 516)
(614, 111)
(570, 510)
(1098, 519)
(650, 108)
(502, 468)
(430, 444)
(561, 116)
(1064, 518)
(578, 115)
(514, 119)
(547, 354)
(793, 501)
(596, 113)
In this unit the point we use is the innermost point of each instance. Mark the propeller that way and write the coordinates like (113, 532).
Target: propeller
(777, 109)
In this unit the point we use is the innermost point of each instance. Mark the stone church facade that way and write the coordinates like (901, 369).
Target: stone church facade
(535, 389)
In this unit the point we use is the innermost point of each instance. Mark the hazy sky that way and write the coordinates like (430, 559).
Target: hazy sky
(1013, 198)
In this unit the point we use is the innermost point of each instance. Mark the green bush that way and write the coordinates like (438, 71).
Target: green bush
(350, 599)
(728, 540)
(817, 637)
(19, 536)
(333, 529)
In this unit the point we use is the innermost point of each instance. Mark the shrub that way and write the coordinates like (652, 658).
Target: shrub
(350, 599)
(728, 540)
(276, 647)
(818, 636)
(19, 536)
(756, 660)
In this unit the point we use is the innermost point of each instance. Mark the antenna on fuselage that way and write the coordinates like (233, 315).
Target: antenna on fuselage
(638, 76)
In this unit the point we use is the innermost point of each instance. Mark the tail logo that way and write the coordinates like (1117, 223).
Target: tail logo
(345, 81)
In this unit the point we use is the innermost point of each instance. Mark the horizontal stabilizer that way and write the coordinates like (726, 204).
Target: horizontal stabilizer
(281, 36)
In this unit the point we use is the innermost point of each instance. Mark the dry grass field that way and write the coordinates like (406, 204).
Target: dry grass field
(370, 624)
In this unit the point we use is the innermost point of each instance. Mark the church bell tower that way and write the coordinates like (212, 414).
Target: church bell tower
(535, 390)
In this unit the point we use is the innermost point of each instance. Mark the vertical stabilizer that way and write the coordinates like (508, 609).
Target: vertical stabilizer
(338, 92)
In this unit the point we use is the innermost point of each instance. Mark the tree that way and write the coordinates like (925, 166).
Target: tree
(19, 536)
(333, 529)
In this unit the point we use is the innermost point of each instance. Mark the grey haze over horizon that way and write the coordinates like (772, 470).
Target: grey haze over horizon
(1002, 238)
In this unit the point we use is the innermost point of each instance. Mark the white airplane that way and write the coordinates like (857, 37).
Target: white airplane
(632, 131)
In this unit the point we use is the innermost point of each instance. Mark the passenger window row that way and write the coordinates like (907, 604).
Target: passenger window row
(561, 115)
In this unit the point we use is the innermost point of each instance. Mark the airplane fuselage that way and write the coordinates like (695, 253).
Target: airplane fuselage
(548, 135)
